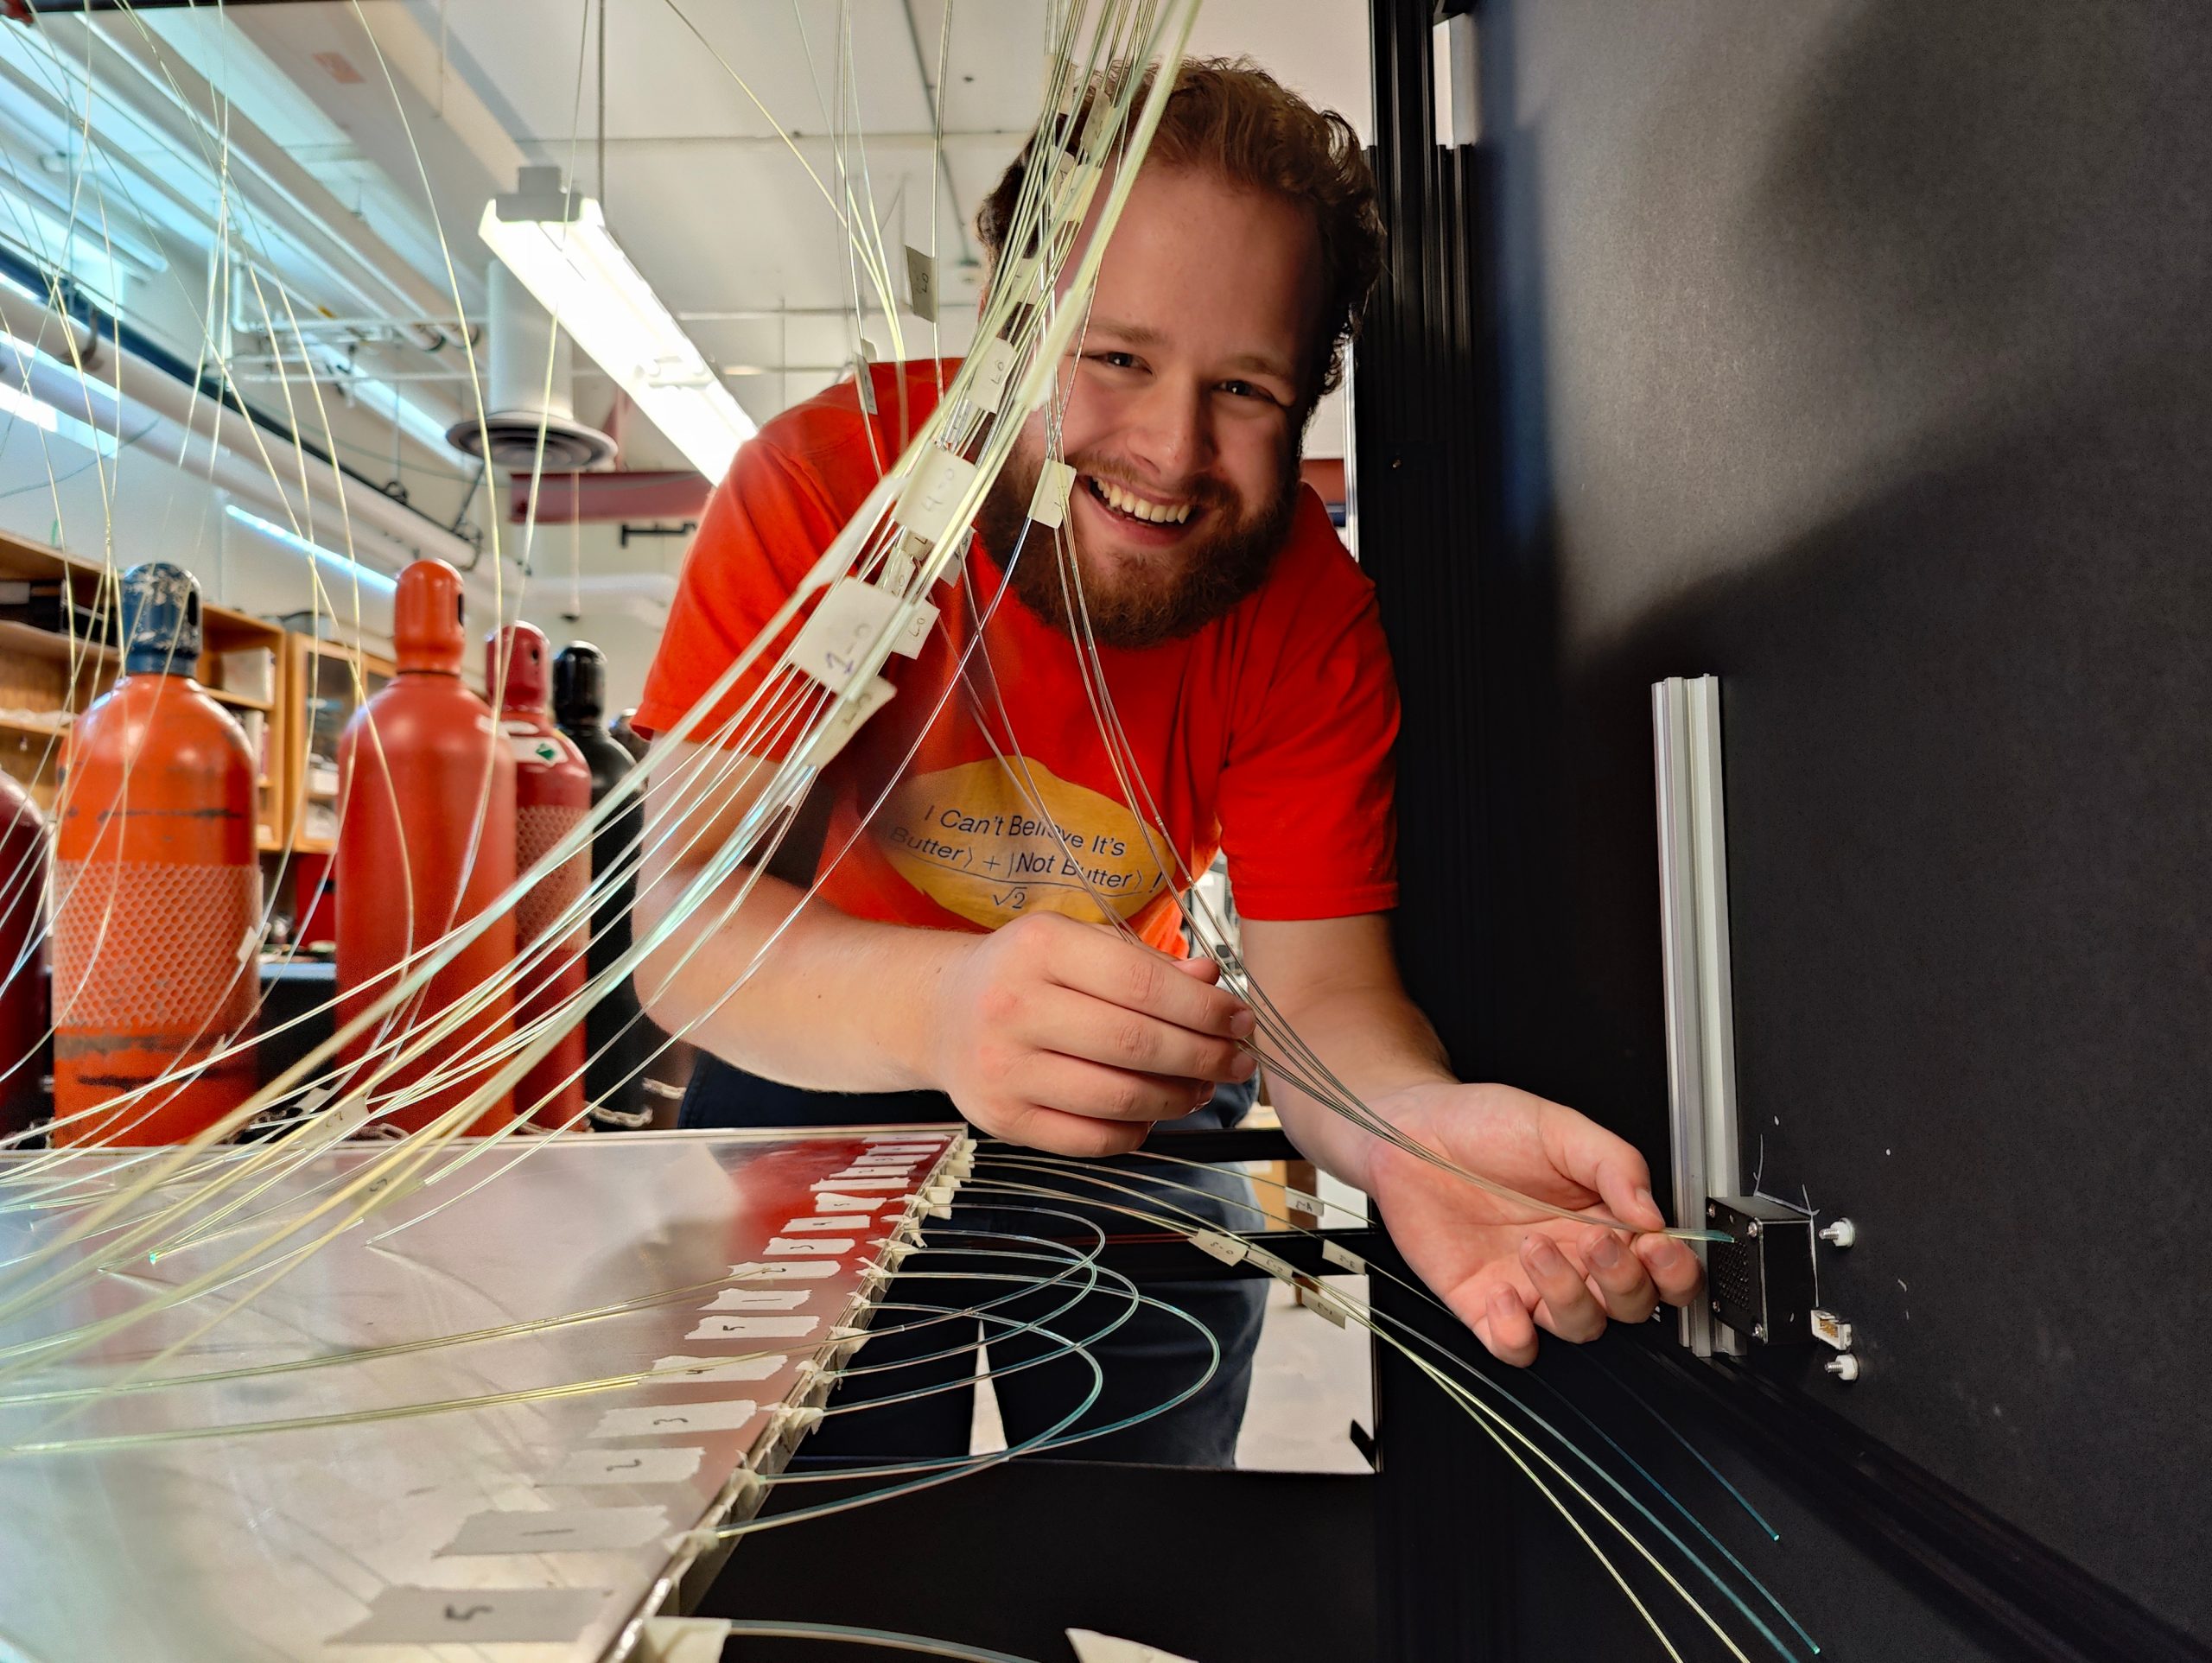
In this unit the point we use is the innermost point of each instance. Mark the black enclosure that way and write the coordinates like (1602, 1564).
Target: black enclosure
(1859, 353)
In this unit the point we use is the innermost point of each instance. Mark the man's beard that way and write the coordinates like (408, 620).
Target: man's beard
(1223, 563)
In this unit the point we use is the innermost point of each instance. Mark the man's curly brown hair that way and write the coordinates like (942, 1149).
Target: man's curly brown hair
(1231, 118)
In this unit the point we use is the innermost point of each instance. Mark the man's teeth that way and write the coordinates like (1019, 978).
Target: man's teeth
(1136, 508)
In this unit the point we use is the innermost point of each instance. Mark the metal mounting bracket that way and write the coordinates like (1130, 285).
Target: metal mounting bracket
(1694, 933)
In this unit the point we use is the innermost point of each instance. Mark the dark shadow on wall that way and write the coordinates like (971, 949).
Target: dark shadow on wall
(1936, 272)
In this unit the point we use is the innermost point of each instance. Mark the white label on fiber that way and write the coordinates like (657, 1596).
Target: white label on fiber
(559, 1529)
(914, 634)
(993, 366)
(675, 1419)
(921, 284)
(1344, 1257)
(760, 1299)
(1297, 1200)
(592, 1467)
(464, 1617)
(828, 1246)
(830, 1201)
(755, 1327)
(1050, 505)
(844, 721)
(837, 635)
(700, 1371)
(831, 1222)
(1226, 1248)
(939, 482)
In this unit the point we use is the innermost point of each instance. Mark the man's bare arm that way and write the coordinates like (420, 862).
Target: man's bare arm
(1048, 1031)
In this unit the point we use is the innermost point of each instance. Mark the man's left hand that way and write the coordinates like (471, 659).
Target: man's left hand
(1505, 1270)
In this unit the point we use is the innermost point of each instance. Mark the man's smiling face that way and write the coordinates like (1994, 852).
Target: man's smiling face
(1185, 396)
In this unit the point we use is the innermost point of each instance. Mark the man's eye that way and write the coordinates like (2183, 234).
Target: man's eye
(1115, 360)
(1246, 390)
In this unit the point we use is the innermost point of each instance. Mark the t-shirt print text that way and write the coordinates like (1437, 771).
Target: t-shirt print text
(991, 840)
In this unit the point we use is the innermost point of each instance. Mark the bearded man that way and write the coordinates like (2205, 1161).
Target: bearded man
(955, 961)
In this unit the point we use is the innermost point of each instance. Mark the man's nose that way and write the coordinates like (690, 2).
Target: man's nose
(1169, 433)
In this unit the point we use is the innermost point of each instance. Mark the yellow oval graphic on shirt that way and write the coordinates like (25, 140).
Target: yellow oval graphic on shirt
(991, 840)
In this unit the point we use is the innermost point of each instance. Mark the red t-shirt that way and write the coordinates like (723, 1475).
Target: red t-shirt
(1267, 733)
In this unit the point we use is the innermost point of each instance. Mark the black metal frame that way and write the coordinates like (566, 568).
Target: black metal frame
(1472, 634)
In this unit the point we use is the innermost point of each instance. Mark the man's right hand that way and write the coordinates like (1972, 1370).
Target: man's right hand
(1066, 1037)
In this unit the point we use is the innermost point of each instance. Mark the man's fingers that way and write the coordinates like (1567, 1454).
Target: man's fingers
(1619, 1277)
(1078, 1086)
(1041, 1127)
(1505, 1329)
(1571, 1310)
(1140, 980)
(1102, 1031)
(1200, 969)
(1675, 1269)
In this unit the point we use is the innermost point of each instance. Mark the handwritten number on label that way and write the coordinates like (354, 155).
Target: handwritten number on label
(470, 1615)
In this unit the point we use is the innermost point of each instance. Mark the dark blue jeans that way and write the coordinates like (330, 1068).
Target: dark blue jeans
(1150, 1357)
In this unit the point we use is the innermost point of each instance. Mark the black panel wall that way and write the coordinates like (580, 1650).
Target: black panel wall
(1856, 353)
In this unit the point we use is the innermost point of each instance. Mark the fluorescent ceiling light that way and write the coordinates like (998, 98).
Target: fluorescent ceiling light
(369, 576)
(16, 402)
(576, 271)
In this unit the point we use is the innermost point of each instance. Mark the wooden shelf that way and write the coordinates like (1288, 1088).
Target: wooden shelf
(239, 701)
(34, 727)
(45, 643)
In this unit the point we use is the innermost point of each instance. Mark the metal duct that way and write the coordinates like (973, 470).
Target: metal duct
(523, 405)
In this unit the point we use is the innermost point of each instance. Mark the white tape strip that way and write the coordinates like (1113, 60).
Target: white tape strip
(755, 1327)
(830, 1201)
(759, 1299)
(829, 1246)
(921, 284)
(837, 634)
(586, 1468)
(844, 721)
(1226, 1248)
(1091, 1647)
(700, 1371)
(847, 1181)
(827, 1222)
(675, 1419)
(1298, 1201)
(463, 1617)
(559, 1530)
(683, 1640)
(794, 1271)
(1340, 1255)
(1050, 505)
(939, 482)
(994, 364)
(914, 634)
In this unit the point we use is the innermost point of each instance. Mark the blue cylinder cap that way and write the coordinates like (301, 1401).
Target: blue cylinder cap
(161, 620)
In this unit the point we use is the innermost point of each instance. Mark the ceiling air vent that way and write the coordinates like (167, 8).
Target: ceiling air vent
(525, 407)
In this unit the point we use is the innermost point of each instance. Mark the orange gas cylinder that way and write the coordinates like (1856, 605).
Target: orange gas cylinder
(22, 957)
(552, 796)
(156, 890)
(426, 842)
